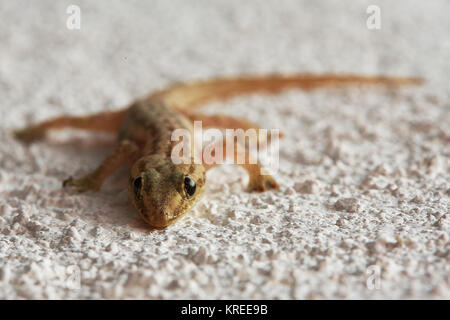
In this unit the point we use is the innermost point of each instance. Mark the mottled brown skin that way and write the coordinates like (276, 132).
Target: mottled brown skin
(144, 138)
(163, 198)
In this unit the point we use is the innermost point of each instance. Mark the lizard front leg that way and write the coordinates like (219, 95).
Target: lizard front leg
(104, 121)
(258, 180)
(126, 151)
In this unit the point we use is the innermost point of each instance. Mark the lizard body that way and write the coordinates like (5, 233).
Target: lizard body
(161, 190)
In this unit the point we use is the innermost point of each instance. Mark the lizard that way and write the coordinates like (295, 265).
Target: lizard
(160, 190)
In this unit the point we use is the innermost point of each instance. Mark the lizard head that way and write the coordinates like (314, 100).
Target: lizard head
(163, 191)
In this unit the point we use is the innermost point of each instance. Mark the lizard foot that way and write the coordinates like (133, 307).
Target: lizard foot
(29, 135)
(83, 184)
(263, 183)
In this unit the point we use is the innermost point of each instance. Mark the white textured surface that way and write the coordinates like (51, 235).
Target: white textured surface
(364, 173)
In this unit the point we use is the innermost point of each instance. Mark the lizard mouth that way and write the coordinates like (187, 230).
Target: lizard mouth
(157, 221)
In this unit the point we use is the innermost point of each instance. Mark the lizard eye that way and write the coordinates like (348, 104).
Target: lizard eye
(137, 185)
(189, 186)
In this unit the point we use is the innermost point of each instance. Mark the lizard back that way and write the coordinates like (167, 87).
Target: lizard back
(150, 123)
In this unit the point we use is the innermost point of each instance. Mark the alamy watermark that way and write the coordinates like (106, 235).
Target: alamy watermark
(373, 281)
(73, 21)
(373, 21)
(213, 146)
(72, 277)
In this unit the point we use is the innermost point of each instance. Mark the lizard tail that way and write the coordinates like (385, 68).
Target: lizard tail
(196, 94)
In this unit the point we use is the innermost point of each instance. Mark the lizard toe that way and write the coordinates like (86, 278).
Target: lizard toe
(82, 184)
(263, 183)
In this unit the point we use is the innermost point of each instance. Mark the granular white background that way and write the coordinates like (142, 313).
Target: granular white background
(364, 172)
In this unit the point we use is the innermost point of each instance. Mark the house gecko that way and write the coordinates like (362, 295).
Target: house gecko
(161, 190)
